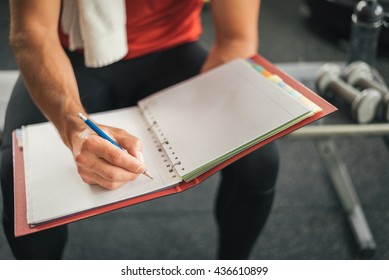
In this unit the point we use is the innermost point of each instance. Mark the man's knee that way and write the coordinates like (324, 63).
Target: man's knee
(257, 172)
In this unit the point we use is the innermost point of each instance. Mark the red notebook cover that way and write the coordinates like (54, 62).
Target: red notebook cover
(22, 228)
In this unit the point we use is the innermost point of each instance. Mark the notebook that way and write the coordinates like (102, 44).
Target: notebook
(187, 131)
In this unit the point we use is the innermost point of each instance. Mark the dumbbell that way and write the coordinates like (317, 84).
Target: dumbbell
(363, 104)
(360, 74)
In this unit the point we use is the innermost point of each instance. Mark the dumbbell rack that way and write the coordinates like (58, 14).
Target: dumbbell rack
(324, 135)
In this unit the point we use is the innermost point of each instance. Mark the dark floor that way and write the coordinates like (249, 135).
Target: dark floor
(307, 221)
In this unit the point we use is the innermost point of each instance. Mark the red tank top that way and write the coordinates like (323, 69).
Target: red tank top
(155, 25)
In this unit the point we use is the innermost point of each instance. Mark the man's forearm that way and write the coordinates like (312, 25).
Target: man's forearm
(236, 30)
(49, 78)
(236, 22)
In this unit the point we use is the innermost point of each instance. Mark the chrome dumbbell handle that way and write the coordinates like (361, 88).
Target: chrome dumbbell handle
(344, 90)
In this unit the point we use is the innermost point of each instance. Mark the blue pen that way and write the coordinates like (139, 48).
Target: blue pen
(103, 135)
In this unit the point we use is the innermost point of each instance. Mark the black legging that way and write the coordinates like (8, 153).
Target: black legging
(247, 187)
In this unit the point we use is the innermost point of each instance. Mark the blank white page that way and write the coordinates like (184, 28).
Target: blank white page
(53, 187)
(214, 113)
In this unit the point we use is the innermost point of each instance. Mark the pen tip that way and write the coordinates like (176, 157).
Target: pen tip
(148, 175)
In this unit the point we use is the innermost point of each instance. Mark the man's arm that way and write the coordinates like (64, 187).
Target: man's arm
(46, 70)
(50, 80)
(236, 30)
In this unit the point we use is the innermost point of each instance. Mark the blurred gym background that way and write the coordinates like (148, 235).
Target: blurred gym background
(307, 220)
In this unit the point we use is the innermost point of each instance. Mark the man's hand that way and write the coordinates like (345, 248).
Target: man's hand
(100, 162)
(222, 53)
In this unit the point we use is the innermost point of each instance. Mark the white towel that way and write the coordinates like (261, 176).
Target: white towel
(97, 26)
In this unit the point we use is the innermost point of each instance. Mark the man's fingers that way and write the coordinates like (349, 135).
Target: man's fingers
(113, 179)
(128, 142)
(112, 154)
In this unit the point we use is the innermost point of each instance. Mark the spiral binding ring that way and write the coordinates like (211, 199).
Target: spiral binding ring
(160, 145)
(177, 163)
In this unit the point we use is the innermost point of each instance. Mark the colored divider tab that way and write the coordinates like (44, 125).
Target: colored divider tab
(285, 87)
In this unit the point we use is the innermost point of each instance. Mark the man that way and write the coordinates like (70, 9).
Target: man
(162, 43)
